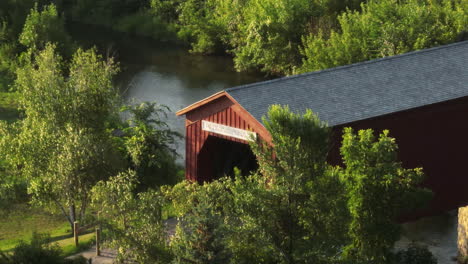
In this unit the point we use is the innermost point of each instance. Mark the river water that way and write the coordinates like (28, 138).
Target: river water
(165, 73)
(168, 74)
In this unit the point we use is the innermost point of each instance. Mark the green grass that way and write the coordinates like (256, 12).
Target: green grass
(85, 242)
(9, 106)
(21, 221)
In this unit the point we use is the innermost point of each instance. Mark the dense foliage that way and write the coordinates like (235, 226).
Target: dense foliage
(21, 31)
(415, 254)
(379, 190)
(41, 28)
(285, 37)
(61, 146)
(278, 37)
(148, 144)
(40, 250)
(134, 221)
(385, 28)
(297, 208)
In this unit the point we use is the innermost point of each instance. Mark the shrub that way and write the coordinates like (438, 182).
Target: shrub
(39, 250)
(415, 254)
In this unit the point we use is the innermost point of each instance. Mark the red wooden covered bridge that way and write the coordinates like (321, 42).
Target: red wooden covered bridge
(421, 97)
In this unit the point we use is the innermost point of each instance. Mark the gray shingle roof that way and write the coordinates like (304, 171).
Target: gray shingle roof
(364, 90)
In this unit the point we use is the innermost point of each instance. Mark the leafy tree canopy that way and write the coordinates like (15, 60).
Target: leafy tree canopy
(62, 146)
(385, 28)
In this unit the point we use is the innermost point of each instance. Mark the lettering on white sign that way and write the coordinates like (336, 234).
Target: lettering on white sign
(228, 131)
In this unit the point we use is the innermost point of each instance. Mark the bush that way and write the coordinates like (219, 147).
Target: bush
(415, 254)
(385, 28)
(39, 250)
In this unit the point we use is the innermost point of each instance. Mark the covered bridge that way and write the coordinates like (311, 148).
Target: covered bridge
(421, 97)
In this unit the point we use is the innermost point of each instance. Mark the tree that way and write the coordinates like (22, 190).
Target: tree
(385, 28)
(201, 237)
(43, 27)
(40, 250)
(149, 142)
(294, 205)
(272, 31)
(133, 220)
(297, 208)
(379, 190)
(62, 146)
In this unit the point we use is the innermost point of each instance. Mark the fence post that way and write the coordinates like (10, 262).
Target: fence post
(76, 232)
(98, 238)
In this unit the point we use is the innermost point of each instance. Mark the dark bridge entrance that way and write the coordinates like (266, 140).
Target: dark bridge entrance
(218, 157)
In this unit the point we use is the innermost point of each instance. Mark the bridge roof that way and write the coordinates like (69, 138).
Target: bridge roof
(368, 89)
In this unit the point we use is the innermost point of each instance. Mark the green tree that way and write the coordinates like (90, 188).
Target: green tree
(43, 27)
(7, 56)
(62, 146)
(272, 31)
(379, 190)
(211, 26)
(148, 143)
(292, 210)
(385, 28)
(133, 220)
(201, 237)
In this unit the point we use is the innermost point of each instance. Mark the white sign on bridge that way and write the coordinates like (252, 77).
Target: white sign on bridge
(228, 131)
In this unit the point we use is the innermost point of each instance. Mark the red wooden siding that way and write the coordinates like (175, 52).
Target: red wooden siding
(221, 111)
(433, 137)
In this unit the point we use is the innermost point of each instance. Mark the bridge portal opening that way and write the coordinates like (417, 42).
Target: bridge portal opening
(218, 157)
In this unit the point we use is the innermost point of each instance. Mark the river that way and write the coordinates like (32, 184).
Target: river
(165, 73)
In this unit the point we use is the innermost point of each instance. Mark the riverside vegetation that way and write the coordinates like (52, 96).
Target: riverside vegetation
(279, 37)
(67, 151)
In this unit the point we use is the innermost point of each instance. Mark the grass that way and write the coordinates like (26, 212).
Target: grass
(21, 221)
(9, 106)
(85, 242)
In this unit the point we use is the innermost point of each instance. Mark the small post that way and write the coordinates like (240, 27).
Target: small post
(98, 237)
(463, 232)
(76, 232)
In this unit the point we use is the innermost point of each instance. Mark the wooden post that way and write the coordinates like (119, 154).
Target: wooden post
(76, 232)
(463, 233)
(98, 237)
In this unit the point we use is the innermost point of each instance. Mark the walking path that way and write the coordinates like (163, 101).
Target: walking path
(107, 256)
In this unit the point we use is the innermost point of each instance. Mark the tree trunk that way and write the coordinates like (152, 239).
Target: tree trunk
(72, 216)
(83, 208)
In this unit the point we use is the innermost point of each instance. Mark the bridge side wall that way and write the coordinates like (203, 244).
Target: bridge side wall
(433, 137)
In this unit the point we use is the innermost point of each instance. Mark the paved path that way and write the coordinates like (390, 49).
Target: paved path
(107, 256)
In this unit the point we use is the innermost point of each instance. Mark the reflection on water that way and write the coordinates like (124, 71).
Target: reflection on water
(438, 233)
(167, 74)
